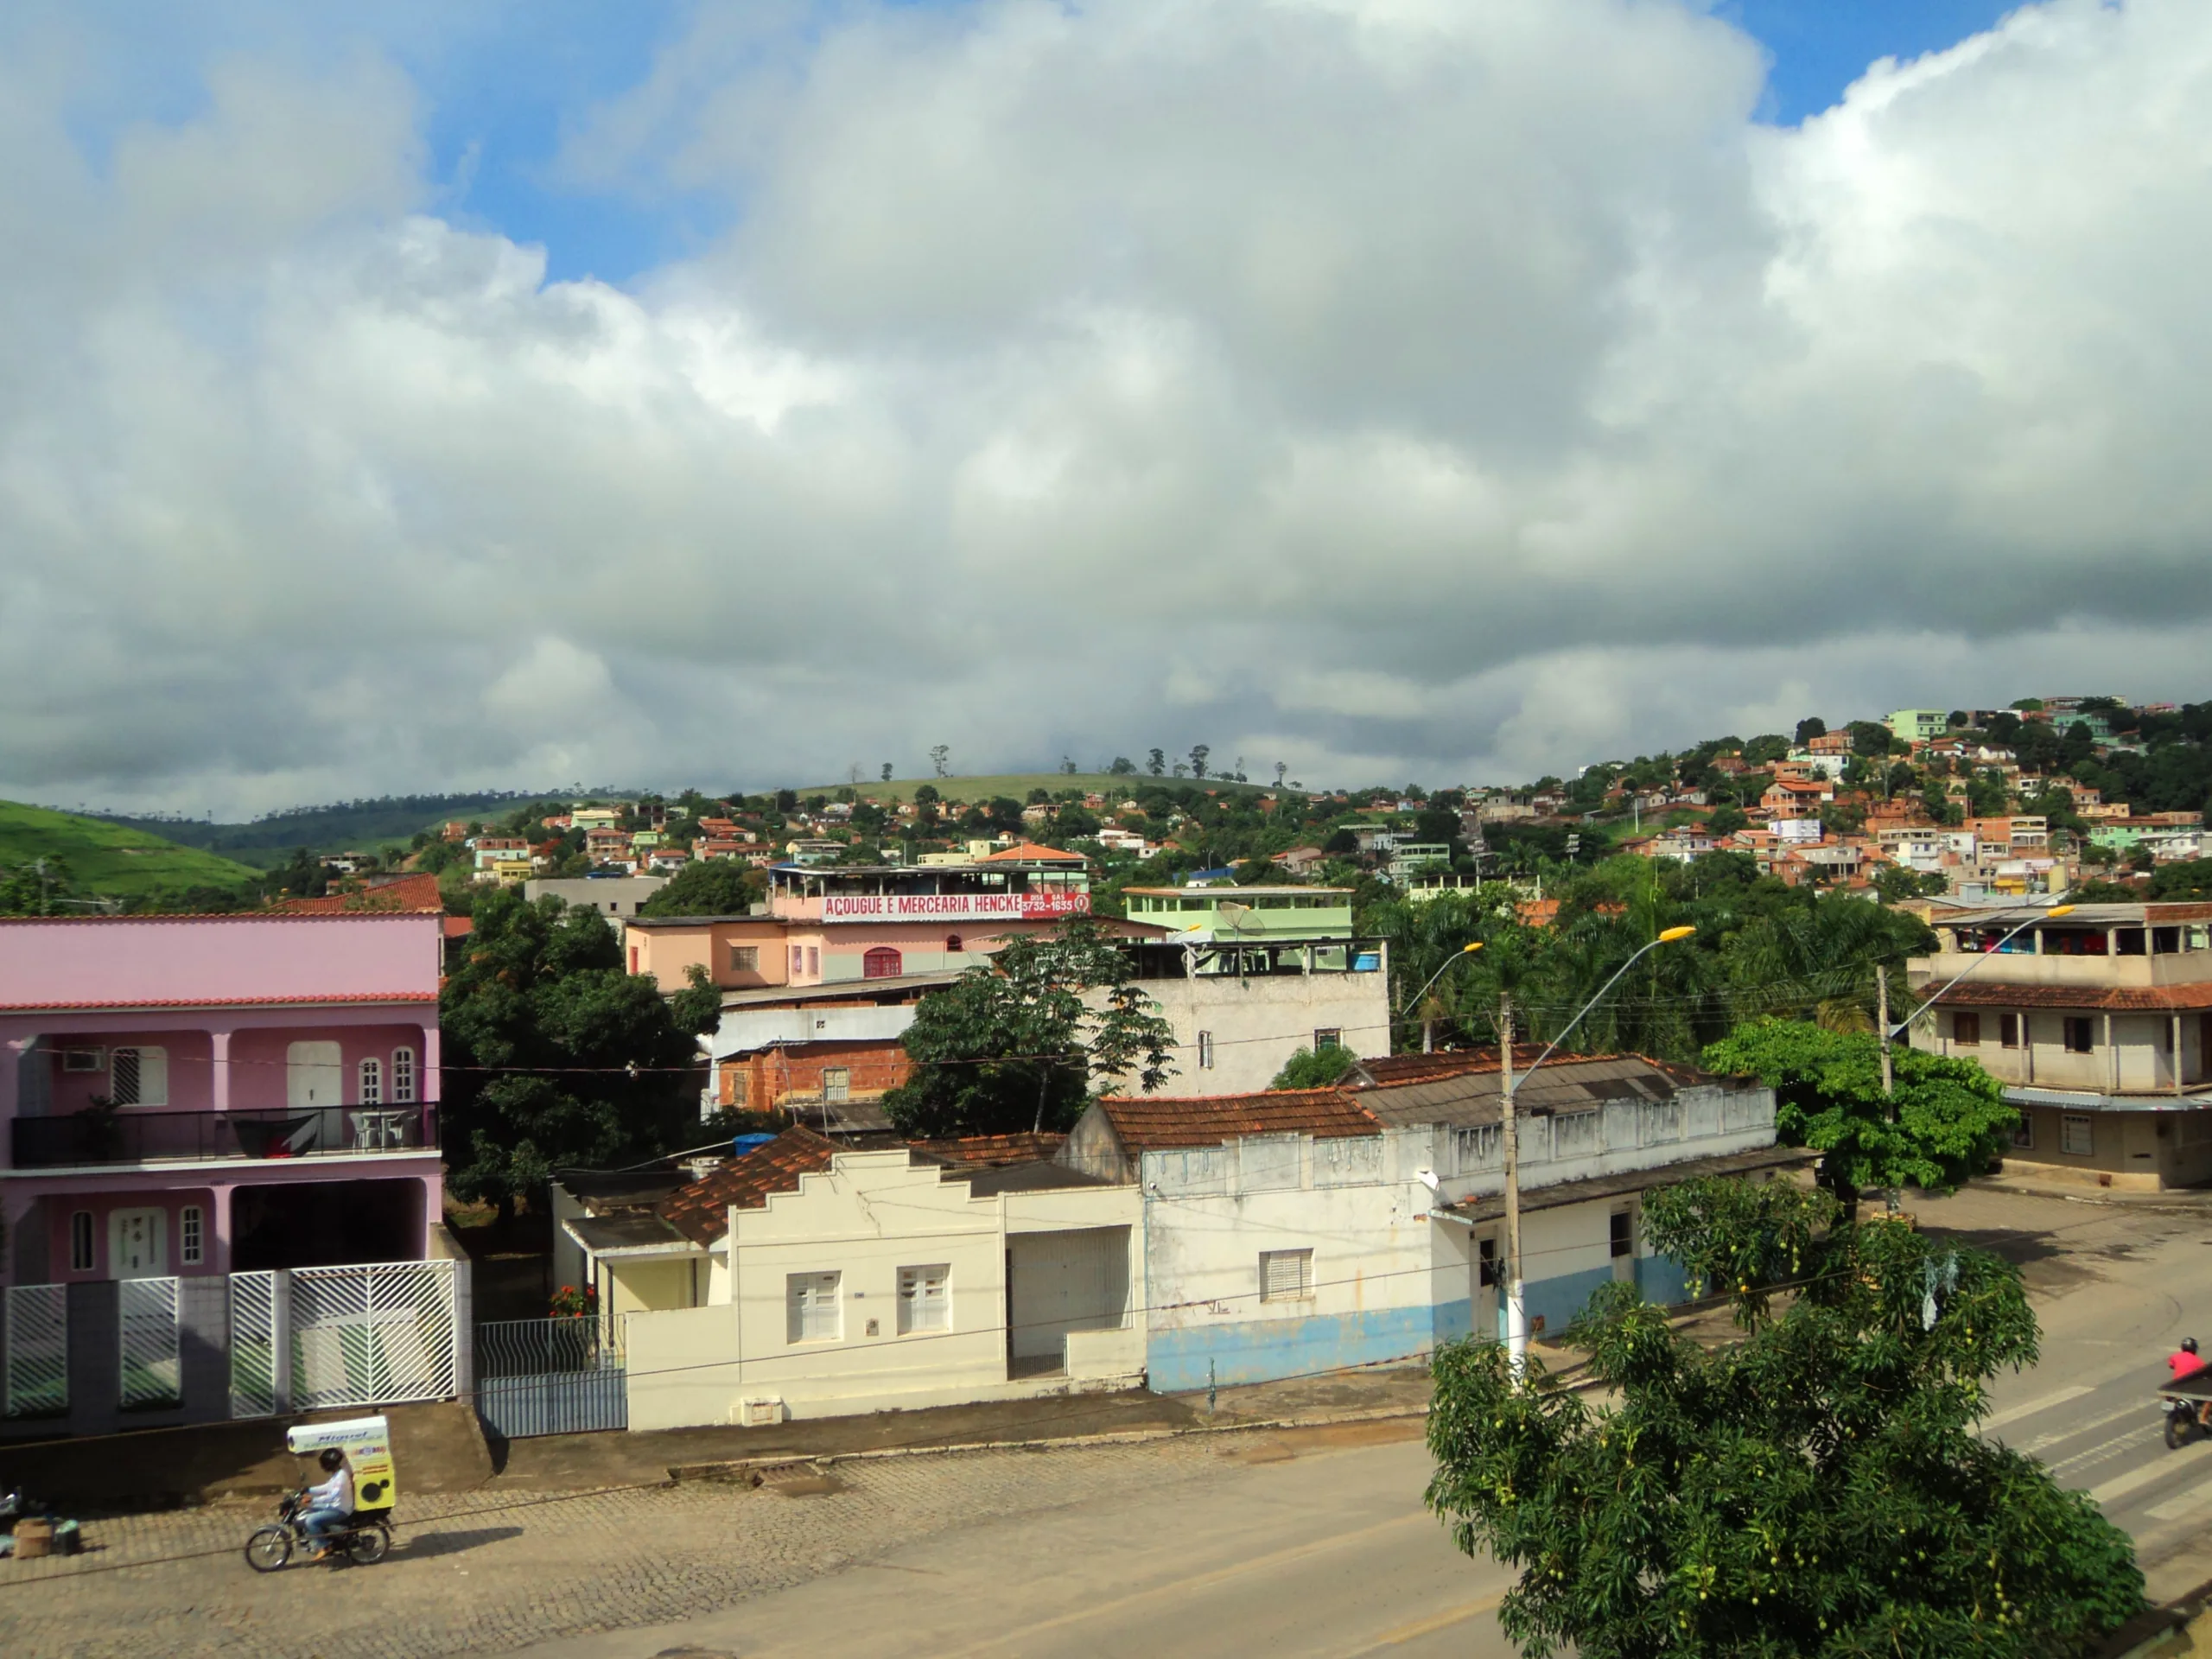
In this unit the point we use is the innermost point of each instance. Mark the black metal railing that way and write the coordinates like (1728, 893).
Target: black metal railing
(129, 1136)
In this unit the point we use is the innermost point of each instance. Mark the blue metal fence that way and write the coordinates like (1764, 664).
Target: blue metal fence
(550, 1376)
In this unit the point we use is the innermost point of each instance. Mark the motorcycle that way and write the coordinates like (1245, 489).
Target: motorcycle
(365, 1540)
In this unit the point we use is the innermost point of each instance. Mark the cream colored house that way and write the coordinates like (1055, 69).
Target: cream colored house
(846, 1281)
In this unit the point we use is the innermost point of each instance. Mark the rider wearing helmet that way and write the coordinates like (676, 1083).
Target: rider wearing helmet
(329, 1503)
(2183, 1360)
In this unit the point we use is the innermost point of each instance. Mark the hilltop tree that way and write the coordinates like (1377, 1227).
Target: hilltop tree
(1013, 1044)
(940, 756)
(1157, 762)
(1199, 753)
(1814, 1489)
(886, 772)
(712, 887)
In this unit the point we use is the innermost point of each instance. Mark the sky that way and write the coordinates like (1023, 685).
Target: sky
(419, 398)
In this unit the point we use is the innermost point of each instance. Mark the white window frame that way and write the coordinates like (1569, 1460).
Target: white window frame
(371, 1086)
(1205, 1051)
(191, 1236)
(403, 1076)
(2080, 1145)
(814, 1308)
(745, 958)
(1286, 1275)
(2023, 1133)
(84, 1242)
(925, 1298)
(148, 1068)
(836, 1082)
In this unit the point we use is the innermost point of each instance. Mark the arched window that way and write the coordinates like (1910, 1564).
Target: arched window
(371, 1083)
(952, 945)
(883, 963)
(403, 1074)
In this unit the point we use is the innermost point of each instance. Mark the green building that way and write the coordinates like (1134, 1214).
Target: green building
(1233, 912)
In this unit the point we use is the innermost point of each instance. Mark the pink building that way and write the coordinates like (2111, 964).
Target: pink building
(198, 1095)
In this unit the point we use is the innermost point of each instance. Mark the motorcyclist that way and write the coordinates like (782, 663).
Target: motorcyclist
(2184, 1362)
(330, 1504)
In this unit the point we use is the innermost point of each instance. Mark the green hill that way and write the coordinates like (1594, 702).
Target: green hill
(111, 859)
(1017, 785)
(267, 842)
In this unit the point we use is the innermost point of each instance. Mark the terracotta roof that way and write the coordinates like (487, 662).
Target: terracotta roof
(993, 1151)
(1159, 1125)
(287, 1001)
(2115, 998)
(408, 892)
(1030, 849)
(1388, 1072)
(701, 1210)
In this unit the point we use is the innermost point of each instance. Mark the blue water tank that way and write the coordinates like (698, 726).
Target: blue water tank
(743, 1143)
(1367, 962)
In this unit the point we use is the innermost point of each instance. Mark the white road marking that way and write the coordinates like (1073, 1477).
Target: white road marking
(2139, 1412)
(2029, 1408)
(2135, 1479)
(2192, 1502)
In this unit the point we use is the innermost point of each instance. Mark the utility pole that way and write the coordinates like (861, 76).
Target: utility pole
(1882, 1022)
(1516, 1312)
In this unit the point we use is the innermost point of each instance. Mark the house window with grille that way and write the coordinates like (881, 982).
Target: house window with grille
(191, 1236)
(139, 1077)
(1486, 1263)
(812, 1309)
(1481, 1146)
(745, 958)
(1286, 1276)
(1205, 1051)
(2023, 1133)
(798, 960)
(1328, 1037)
(2081, 1034)
(2077, 1135)
(883, 963)
(371, 1083)
(925, 1297)
(403, 1074)
(1966, 1030)
(2009, 1031)
(836, 1082)
(1622, 1228)
(814, 961)
(81, 1259)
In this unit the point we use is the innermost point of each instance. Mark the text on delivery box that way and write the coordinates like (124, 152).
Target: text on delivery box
(952, 907)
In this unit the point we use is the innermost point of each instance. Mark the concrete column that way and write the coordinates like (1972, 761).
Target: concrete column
(2176, 1027)
(427, 1084)
(219, 1070)
(2111, 1057)
(17, 1211)
(219, 1224)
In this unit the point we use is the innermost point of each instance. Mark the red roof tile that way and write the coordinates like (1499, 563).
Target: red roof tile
(1152, 1124)
(409, 893)
(993, 1151)
(701, 1210)
(1030, 849)
(2122, 999)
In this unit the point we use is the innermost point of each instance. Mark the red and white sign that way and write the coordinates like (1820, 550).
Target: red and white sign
(953, 906)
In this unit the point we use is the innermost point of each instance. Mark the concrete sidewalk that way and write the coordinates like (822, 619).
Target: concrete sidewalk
(571, 1462)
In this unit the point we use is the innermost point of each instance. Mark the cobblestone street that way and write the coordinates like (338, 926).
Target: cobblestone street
(479, 1574)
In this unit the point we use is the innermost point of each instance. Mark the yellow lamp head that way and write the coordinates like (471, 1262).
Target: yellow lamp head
(1470, 949)
(1674, 933)
(2059, 910)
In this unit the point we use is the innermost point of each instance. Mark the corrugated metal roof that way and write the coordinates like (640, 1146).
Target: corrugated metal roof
(1151, 1124)
(1563, 1085)
(1636, 1180)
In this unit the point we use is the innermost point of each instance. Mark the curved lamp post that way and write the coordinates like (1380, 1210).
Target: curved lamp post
(1517, 1308)
(1414, 1001)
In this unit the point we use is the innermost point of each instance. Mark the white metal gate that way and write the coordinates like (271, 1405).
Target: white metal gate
(254, 1379)
(151, 1374)
(373, 1335)
(36, 1332)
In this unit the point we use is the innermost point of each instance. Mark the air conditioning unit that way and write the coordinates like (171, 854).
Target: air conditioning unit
(84, 1059)
(757, 1411)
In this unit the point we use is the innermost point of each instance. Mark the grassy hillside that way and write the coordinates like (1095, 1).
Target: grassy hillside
(112, 859)
(349, 825)
(1017, 785)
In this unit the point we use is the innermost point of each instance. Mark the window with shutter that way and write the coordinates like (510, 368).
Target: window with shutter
(371, 1083)
(836, 1082)
(812, 1307)
(2077, 1135)
(191, 1236)
(80, 1242)
(925, 1297)
(1205, 1051)
(403, 1074)
(139, 1077)
(1286, 1276)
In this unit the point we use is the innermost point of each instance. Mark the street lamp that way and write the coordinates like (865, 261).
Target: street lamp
(1465, 951)
(1516, 1310)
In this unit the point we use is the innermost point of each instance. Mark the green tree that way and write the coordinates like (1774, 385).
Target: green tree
(1013, 1044)
(1199, 753)
(1814, 1489)
(1765, 749)
(1315, 1068)
(1156, 762)
(2189, 878)
(1945, 1122)
(41, 887)
(1122, 768)
(710, 887)
(555, 1057)
(1810, 727)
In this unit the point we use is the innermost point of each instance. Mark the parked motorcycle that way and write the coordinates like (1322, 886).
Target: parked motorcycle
(365, 1540)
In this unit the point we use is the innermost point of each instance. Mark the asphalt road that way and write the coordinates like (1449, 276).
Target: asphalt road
(1315, 1545)
(1318, 1543)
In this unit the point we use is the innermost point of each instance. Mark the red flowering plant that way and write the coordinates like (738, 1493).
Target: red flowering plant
(569, 1303)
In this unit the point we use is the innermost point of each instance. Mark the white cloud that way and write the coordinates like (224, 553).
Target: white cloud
(1396, 389)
